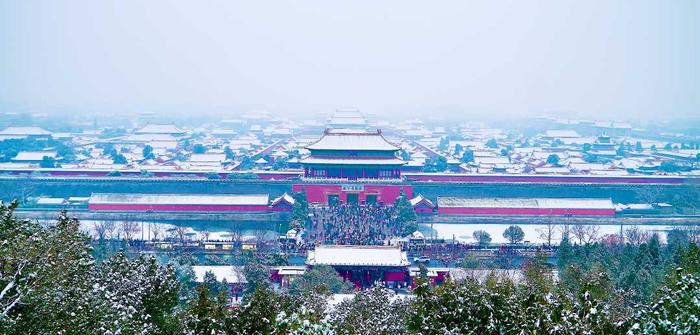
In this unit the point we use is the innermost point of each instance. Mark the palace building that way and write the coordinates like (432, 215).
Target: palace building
(352, 154)
(364, 265)
(352, 166)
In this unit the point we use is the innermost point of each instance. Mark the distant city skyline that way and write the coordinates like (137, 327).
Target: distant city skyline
(456, 59)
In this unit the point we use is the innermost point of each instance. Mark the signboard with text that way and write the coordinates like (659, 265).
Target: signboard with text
(352, 188)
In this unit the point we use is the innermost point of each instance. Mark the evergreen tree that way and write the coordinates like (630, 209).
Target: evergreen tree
(280, 164)
(553, 159)
(444, 144)
(468, 156)
(458, 149)
(136, 295)
(199, 148)
(47, 162)
(587, 147)
(302, 322)
(370, 312)
(564, 253)
(321, 278)
(256, 273)
(206, 315)
(44, 278)
(258, 315)
(148, 152)
(119, 159)
(491, 143)
(300, 210)
(214, 285)
(435, 164)
(675, 312)
(406, 214)
(229, 153)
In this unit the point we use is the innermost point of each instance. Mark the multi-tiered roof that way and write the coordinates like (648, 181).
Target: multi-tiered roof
(352, 147)
(353, 150)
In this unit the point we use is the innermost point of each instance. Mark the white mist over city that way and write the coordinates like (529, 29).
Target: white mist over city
(315, 167)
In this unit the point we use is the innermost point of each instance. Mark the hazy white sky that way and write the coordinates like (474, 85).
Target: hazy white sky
(614, 59)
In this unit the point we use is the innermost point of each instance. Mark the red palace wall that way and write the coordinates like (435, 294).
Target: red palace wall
(179, 208)
(318, 193)
(527, 211)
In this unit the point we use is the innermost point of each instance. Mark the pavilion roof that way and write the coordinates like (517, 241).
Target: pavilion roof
(356, 255)
(352, 140)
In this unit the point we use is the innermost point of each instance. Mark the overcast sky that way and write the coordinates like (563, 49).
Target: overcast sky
(604, 59)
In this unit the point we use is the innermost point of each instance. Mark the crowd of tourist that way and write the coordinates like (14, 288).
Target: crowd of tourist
(352, 224)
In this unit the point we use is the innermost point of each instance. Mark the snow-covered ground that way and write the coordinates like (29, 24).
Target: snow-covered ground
(460, 232)
(463, 232)
(146, 231)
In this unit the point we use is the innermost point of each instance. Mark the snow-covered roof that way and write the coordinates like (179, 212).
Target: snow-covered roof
(561, 134)
(417, 235)
(145, 138)
(223, 131)
(232, 274)
(352, 140)
(180, 199)
(613, 124)
(34, 155)
(420, 198)
(290, 270)
(51, 201)
(284, 197)
(491, 160)
(159, 129)
(573, 203)
(24, 131)
(353, 255)
(620, 207)
(209, 157)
